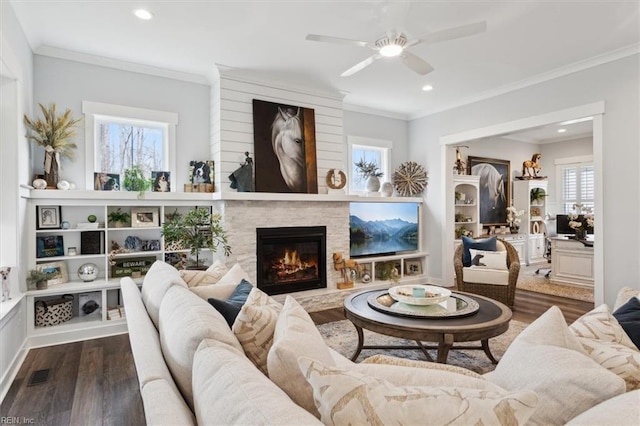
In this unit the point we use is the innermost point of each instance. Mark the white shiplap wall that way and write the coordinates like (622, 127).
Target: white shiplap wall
(232, 124)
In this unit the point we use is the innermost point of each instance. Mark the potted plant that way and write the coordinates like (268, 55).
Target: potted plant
(39, 279)
(196, 230)
(54, 133)
(537, 196)
(134, 180)
(118, 218)
(369, 171)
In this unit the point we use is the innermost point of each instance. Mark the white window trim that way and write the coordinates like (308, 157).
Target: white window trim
(93, 110)
(559, 163)
(364, 141)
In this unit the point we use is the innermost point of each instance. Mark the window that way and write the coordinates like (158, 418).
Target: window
(369, 150)
(126, 137)
(577, 183)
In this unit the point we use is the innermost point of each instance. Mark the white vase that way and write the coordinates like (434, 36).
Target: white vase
(373, 184)
(386, 189)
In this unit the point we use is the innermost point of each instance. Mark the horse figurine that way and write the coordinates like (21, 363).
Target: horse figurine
(288, 145)
(532, 166)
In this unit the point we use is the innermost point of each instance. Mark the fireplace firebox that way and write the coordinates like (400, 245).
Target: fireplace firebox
(291, 259)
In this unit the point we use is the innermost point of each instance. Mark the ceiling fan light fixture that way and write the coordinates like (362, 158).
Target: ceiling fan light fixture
(391, 46)
(391, 50)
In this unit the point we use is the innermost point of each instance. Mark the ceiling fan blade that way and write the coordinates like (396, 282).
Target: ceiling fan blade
(451, 33)
(416, 64)
(361, 65)
(338, 40)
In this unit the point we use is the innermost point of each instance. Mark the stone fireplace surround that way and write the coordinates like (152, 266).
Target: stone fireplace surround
(243, 213)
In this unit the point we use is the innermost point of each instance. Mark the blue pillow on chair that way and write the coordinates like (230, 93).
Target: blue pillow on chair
(488, 244)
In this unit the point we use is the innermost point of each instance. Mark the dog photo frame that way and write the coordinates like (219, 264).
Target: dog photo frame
(413, 267)
(144, 217)
(49, 217)
(106, 182)
(161, 181)
(201, 171)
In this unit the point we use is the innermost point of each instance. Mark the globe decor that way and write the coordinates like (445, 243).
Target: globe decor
(54, 133)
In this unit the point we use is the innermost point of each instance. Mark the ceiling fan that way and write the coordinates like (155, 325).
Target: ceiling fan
(395, 44)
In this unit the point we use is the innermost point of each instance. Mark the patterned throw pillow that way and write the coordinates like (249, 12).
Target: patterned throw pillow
(488, 259)
(599, 324)
(488, 244)
(254, 326)
(199, 278)
(347, 397)
(622, 361)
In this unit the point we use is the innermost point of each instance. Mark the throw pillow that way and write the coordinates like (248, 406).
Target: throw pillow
(622, 361)
(548, 359)
(488, 244)
(488, 259)
(200, 278)
(347, 397)
(234, 275)
(254, 326)
(231, 307)
(628, 316)
(624, 295)
(296, 335)
(599, 324)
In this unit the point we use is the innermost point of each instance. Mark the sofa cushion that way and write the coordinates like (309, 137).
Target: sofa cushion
(622, 410)
(624, 295)
(163, 405)
(348, 397)
(548, 359)
(199, 278)
(234, 276)
(254, 326)
(628, 316)
(229, 390)
(481, 275)
(185, 320)
(621, 360)
(295, 335)
(403, 362)
(488, 244)
(156, 282)
(216, 291)
(599, 324)
(230, 308)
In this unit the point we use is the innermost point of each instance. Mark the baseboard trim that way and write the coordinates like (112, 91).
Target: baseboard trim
(12, 372)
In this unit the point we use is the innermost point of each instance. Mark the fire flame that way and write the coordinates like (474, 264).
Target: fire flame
(290, 265)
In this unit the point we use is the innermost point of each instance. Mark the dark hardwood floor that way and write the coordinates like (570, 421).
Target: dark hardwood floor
(94, 382)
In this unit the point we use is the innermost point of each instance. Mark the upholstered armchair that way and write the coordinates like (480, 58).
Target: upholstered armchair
(496, 284)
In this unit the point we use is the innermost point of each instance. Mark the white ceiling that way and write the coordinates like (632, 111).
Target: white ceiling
(524, 42)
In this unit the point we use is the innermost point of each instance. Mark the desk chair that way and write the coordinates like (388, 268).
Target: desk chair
(549, 232)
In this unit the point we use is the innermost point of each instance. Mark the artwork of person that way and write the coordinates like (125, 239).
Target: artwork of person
(47, 217)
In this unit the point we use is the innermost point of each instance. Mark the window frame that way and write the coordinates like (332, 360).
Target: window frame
(96, 111)
(578, 163)
(384, 146)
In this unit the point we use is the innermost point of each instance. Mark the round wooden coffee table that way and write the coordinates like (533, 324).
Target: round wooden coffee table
(491, 319)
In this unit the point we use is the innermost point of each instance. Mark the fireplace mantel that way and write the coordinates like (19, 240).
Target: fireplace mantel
(271, 196)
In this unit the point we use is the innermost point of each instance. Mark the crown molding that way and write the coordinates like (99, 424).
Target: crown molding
(595, 61)
(377, 112)
(118, 64)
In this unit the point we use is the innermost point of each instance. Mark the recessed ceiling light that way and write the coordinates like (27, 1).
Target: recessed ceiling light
(427, 88)
(562, 130)
(143, 14)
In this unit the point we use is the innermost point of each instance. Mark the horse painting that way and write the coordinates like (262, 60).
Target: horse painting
(284, 142)
(288, 145)
(493, 192)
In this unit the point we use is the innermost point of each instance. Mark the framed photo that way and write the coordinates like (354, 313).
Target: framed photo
(413, 267)
(49, 246)
(144, 217)
(49, 217)
(495, 188)
(201, 171)
(161, 181)
(106, 182)
(58, 268)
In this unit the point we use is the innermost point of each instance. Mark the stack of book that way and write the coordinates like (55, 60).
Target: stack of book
(115, 313)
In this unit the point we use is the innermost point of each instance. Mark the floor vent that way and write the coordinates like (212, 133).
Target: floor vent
(39, 376)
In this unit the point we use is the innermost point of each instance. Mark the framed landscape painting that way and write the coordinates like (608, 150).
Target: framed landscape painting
(495, 188)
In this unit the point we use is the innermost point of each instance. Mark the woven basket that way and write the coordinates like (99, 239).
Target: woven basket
(54, 311)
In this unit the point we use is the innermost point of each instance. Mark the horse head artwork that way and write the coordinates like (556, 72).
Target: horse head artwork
(288, 145)
(531, 167)
(493, 200)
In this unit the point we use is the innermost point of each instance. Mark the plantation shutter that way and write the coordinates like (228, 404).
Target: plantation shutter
(569, 188)
(578, 186)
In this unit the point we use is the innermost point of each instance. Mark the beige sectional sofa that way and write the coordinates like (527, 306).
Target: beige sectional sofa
(272, 367)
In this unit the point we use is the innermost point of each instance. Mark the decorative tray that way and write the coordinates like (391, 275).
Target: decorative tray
(419, 294)
(455, 306)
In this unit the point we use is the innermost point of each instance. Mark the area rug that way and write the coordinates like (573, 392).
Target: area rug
(537, 283)
(342, 337)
